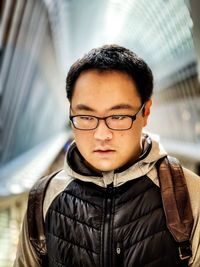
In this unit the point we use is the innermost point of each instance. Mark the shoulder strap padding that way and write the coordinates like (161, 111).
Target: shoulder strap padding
(175, 198)
(35, 214)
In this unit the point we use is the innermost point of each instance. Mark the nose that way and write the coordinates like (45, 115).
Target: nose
(102, 132)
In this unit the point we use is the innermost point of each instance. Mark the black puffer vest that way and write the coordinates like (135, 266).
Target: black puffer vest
(90, 226)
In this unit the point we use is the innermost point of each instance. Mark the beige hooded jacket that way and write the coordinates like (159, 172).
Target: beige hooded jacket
(26, 256)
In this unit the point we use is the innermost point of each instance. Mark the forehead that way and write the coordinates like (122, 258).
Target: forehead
(105, 89)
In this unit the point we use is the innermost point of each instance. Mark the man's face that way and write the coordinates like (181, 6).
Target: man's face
(103, 94)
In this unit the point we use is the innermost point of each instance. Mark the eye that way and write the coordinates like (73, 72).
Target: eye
(118, 117)
(86, 118)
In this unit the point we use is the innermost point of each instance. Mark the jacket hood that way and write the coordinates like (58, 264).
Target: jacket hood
(145, 165)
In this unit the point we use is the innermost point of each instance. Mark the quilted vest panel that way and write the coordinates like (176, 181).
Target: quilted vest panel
(89, 226)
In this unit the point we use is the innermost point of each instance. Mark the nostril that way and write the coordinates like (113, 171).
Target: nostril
(103, 133)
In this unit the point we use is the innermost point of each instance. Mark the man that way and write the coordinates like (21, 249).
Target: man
(104, 208)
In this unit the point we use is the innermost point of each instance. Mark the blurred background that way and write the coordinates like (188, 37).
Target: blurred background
(40, 39)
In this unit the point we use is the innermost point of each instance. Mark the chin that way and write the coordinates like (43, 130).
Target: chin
(105, 168)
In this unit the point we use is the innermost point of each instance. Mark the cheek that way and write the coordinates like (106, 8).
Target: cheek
(131, 135)
(82, 139)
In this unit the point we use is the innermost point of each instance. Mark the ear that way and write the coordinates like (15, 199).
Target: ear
(146, 112)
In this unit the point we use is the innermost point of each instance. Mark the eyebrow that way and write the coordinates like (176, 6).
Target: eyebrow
(84, 107)
(122, 106)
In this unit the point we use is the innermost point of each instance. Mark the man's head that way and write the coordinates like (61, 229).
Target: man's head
(113, 83)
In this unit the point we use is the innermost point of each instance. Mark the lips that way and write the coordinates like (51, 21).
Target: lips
(104, 151)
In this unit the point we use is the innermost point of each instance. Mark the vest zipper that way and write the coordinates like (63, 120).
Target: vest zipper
(107, 235)
(119, 254)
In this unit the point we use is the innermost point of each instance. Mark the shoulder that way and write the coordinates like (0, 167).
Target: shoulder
(58, 183)
(193, 185)
(191, 176)
(193, 182)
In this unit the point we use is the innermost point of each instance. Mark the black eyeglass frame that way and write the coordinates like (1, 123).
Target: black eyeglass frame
(133, 117)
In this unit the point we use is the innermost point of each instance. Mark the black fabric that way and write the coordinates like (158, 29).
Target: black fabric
(89, 226)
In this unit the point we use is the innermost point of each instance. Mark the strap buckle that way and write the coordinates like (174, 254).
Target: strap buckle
(185, 251)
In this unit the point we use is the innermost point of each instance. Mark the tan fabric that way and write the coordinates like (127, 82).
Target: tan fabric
(26, 256)
(193, 184)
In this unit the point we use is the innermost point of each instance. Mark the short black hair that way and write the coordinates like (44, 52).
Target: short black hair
(109, 58)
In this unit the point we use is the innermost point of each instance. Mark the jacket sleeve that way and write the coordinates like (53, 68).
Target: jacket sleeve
(193, 185)
(26, 255)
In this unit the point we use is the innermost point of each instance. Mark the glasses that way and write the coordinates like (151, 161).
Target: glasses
(113, 122)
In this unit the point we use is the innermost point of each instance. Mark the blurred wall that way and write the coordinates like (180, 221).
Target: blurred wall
(32, 106)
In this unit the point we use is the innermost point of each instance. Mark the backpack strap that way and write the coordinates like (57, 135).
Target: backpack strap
(35, 215)
(176, 202)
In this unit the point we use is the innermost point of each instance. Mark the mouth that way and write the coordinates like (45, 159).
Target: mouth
(104, 151)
